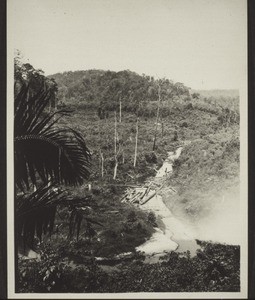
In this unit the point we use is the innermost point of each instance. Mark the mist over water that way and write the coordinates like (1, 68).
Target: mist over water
(223, 224)
(220, 225)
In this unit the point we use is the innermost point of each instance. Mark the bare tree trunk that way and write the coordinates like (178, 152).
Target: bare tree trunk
(115, 168)
(123, 156)
(136, 141)
(115, 133)
(156, 128)
(120, 110)
(115, 147)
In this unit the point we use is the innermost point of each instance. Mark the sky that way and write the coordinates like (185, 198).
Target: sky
(201, 43)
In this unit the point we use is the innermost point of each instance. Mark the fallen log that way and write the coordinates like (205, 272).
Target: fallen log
(124, 197)
(143, 194)
(147, 191)
(152, 195)
(173, 190)
(148, 198)
(135, 198)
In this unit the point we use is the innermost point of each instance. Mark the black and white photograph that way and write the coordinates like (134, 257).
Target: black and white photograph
(127, 149)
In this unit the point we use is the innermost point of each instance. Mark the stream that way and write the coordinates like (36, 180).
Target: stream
(177, 235)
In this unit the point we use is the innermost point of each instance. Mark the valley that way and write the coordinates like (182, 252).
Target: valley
(190, 143)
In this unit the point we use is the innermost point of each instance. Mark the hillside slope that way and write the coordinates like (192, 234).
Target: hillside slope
(206, 175)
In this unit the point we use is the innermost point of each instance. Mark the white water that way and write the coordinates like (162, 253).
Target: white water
(165, 241)
(222, 225)
(167, 166)
(175, 229)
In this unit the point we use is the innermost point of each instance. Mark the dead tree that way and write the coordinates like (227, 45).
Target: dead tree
(136, 141)
(102, 163)
(116, 152)
(157, 119)
(120, 109)
(116, 163)
(101, 154)
(115, 133)
(123, 156)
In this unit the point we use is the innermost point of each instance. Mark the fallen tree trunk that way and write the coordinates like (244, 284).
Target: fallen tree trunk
(149, 198)
(152, 195)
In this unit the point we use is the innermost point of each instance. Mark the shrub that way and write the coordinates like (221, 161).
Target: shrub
(152, 218)
(132, 217)
(151, 157)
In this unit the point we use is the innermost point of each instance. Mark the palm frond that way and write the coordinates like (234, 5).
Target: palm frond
(79, 214)
(28, 108)
(35, 212)
(58, 155)
(44, 152)
(43, 149)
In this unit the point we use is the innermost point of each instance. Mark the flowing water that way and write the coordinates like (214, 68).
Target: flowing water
(222, 225)
(177, 235)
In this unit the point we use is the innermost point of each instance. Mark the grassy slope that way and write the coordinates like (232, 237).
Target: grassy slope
(190, 124)
(207, 168)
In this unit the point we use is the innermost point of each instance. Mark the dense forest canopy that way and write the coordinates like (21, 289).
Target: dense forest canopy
(139, 94)
(107, 88)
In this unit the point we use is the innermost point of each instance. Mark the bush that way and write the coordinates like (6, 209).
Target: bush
(215, 268)
(152, 218)
(132, 217)
(151, 157)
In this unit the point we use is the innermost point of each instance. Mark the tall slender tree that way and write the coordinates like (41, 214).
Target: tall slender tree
(115, 147)
(157, 118)
(120, 109)
(136, 142)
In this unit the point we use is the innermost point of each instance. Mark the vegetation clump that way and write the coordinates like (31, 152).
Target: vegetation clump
(215, 268)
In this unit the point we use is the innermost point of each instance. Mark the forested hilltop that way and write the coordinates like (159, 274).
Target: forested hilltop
(106, 88)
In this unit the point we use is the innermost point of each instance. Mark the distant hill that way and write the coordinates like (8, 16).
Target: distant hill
(104, 90)
(107, 88)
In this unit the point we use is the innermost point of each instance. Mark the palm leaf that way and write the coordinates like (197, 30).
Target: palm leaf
(35, 212)
(42, 149)
(79, 214)
(53, 155)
